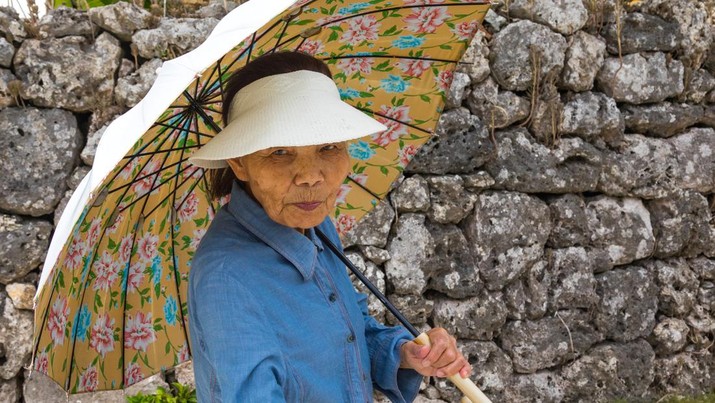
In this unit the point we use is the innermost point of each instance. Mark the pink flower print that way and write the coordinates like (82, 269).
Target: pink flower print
(426, 20)
(196, 239)
(139, 332)
(57, 322)
(414, 68)
(394, 129)
(359, 178)
(183, 354)
(342, 193)
(95, 228)
(147, 246)
(444, 80)
(345, 223)
(126, 172)
(145, 180)
(465, 29)
(42, 362)
(102, 335)
(421, 2)
(406, 154)
(300, 3)
(134, 277)
(132, 374)
(125, 248)
(312, 47)
(362, 28)
(116, 224)
(188, 208)
(75, 253)
(192, 171)
(107, 270)
(88, 381)
(351, 65)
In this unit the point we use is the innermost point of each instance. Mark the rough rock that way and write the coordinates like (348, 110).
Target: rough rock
(90, 148)
(622, 227)
(15, 337)
(584, 57)
(573, 284)
(525, 165)
(678, 286)
(698, 84)
(122, 19)
(642, 167)
(696, 31)
(594, 117)
(508, 231)
(414, 307)
(373, 228)
(412, 196)
(478, 318)
(703, 267)
(38, 387)
(147, 386)
(375, 255)
(217, 9)
(375, 276)
(694, 152)
(548, 342)
(497, 108)
(514, 49)
(69, 72)
(10, 391)
(132, 88)
(7, 51)
(528, 297)
(545, 121)
(680, 224)
(475, 61)
(683, 374)
(492, 374)
(21, 295)
(478, 180)
(568, 215)
(458, 90)
(494, 21)
(11, 25)
(642, 33)
(410, 249)
(629, 300)
(661, 120)
(609, 372)
(641, 78)
(669, 336)
(7, 97)
(173, 37)
(544, 386)
(565, 16)
(37, 152)
(455, 270)
(461, 144)
(65, 21)
(449, 202)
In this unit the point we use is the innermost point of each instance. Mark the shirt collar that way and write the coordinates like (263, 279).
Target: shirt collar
(300, 250)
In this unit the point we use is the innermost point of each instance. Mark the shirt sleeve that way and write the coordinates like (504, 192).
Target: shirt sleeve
(398, 384)
(238, 359)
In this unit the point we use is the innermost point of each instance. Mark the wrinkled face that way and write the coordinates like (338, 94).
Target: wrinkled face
(297, 186)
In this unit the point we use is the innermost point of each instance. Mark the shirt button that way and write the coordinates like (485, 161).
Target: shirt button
(351, 338)
(333, 297)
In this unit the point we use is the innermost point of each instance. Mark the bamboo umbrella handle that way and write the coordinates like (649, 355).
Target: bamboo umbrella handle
(466, 385)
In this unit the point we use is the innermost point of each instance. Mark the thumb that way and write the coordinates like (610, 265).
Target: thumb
(415, 350)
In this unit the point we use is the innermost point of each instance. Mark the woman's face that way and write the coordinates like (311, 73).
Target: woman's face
(297, 186)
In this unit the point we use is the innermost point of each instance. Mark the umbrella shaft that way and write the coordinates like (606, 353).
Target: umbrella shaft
(370, 286)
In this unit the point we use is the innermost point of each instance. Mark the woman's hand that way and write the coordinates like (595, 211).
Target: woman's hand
(441, 359)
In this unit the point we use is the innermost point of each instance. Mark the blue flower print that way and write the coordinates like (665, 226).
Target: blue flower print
(156, 269)
(81, 323)
(408, 41)
(360, 150)
(170, 310)
(394, 84)
(348, 93)
(353, 8)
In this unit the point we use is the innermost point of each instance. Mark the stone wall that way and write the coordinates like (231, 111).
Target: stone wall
(560, 224)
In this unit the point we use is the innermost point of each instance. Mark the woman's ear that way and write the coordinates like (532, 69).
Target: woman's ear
(239, 170)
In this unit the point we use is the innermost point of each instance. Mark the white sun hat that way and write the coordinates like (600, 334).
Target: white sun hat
(293, 109)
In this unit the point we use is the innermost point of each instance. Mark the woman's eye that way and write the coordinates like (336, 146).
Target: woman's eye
(280, 152)
(329, 147)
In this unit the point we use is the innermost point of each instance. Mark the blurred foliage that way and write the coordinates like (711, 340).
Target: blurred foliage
(178, 394)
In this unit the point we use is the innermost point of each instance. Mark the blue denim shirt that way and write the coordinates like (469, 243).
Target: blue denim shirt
(274, 318)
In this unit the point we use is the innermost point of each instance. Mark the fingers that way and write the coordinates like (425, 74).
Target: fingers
(443, 350)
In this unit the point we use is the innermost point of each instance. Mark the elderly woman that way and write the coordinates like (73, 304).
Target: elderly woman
(273, 314)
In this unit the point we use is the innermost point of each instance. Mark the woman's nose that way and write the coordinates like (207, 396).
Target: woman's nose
(309, 172)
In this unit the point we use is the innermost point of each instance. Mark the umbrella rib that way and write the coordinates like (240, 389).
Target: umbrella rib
(395, 120)
(363, 187)
(176, 175)
(197, 108)
(144, 177)
(364, 55)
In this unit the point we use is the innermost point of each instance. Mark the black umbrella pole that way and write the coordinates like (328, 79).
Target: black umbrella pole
(370, 286)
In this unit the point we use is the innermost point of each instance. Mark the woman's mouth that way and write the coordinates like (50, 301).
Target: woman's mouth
(308, 206)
